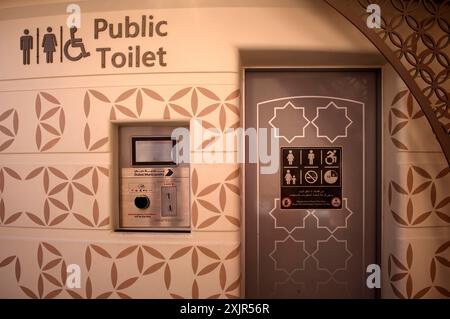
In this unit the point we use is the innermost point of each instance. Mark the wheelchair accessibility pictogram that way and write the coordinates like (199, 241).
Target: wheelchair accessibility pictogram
(74, 43)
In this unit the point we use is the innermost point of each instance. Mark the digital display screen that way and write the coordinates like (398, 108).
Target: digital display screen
(153, 150)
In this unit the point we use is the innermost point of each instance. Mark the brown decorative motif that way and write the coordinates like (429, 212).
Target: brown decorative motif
(48, 110)
(399, 271)
(414, 39)
(88, 143)
(73, 188)
(5, 218)
(418, 181)
(225, 189)
(51, 274)
(196, 92)
(401, 274)
(398, 119)
(141, 254)
(172, 104)
(442, 262)
(17, 268)
(9, 127)
(63, 190)
(221, 105)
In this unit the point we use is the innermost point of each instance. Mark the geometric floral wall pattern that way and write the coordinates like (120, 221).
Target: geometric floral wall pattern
(9, 126)
(73, 196)
(417, 214)
(205, 197)
(127, 269)
(417, 33)
(63, 195)
(413, 37)
(401, 274)
(422, 199)
(131, 102)
(51, 121)
(402, 271)
(60, 194)
(439, 263)
(7, 217)
(54, 128)
(399, 119)
(418, 200)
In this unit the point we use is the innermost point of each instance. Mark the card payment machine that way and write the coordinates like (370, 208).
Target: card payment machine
(154, 186)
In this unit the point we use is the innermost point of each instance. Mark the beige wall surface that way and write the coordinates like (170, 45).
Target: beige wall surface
(55, 172)
(416, 179)
(205, 39)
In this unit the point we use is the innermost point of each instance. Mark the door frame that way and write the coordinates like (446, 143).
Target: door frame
(378, 69)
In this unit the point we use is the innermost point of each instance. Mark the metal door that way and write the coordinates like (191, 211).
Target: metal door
(311, 223)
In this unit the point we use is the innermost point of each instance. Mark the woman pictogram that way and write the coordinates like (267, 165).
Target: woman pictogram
(49, 44)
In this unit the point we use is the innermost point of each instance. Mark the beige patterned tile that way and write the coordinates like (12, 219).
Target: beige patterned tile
(78, 119)
(215, 197)
(37, 268)
(416, 266)
(417, 196)
(55, 196)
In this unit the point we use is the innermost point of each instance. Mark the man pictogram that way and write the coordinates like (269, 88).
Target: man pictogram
(311, 157)
(49, 44)
(26, 45)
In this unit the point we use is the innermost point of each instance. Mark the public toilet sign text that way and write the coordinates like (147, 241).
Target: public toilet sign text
(63, 44)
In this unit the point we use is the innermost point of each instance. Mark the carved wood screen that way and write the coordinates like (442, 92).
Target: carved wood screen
(414, 37)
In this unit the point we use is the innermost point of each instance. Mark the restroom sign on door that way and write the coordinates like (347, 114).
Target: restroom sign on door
(311, 177)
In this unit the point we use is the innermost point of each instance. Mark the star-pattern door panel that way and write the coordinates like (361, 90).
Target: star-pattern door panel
(311, 225)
